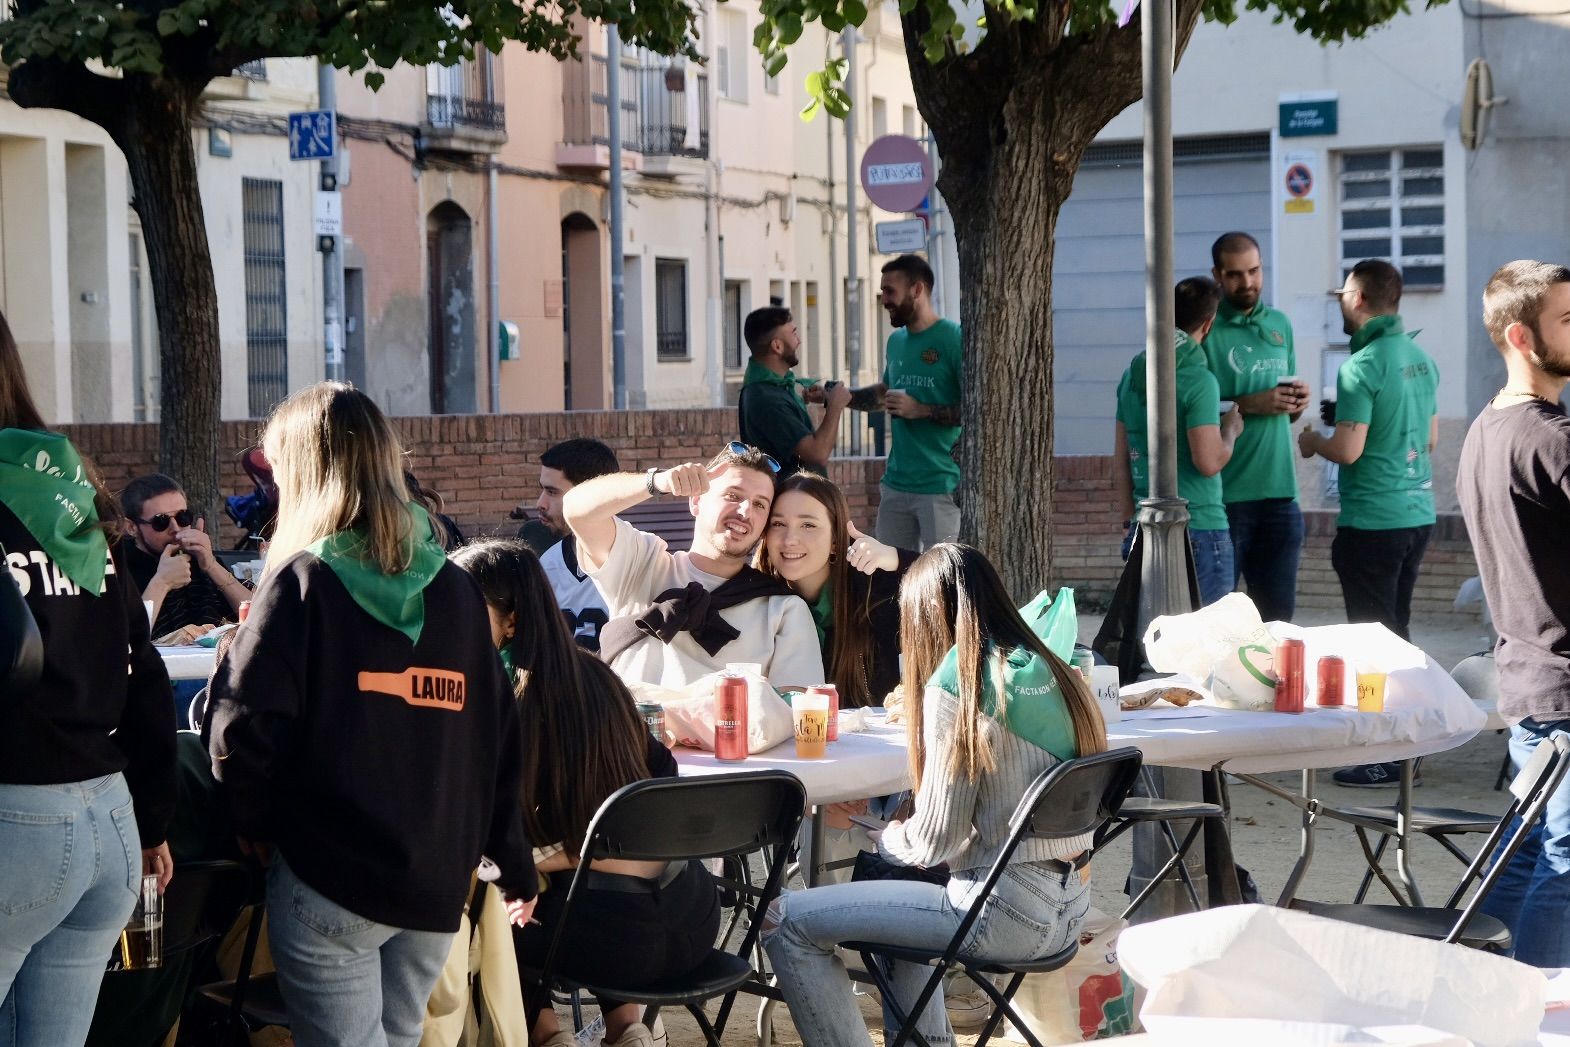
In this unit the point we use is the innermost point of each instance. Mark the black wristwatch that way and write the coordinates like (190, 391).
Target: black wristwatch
(648, 481)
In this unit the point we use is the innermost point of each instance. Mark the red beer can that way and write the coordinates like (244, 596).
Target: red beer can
(730, 718)
(834, 707)
(1290, 656)
(1332, 680)
(244, 612)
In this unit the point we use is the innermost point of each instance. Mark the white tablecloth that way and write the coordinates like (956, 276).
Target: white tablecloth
(189, 662)
(873, 762)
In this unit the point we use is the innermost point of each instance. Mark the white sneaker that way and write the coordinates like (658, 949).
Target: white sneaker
(637, 1035)
(658, 1032)
(968, 1010)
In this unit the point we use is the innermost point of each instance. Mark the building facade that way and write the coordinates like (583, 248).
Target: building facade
(74, 280)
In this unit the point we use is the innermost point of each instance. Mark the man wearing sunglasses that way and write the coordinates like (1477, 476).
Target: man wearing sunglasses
(171, 558)
(679, 616)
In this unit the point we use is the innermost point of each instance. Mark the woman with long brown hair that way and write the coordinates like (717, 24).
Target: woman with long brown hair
(990, 709)
(87, 753)
(850, 581)
(636, 922)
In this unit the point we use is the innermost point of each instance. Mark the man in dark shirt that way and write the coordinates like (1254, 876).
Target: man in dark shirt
(772, 415)
(171, 559)
(1514, 488)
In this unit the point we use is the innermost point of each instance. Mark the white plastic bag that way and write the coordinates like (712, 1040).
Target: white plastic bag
(1226, 643)
(1089, 999)
(1255, 964)
(689, 712)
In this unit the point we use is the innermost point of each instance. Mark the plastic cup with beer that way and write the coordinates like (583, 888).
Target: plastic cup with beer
(810, 715)
(1370, 689)
(142, 941)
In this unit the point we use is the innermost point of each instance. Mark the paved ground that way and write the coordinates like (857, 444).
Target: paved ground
(1266, 831)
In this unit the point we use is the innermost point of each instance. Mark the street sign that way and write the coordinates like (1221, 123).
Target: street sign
(1310, 114)
(328, 216)
(896, 173)
(312, 135)
(901, 237)
(1298, 181)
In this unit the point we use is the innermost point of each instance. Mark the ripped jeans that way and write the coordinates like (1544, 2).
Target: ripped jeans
(1033, 912)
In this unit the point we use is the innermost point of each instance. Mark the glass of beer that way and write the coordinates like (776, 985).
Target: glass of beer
(142, 941)
(1370, 690)
(810, 713)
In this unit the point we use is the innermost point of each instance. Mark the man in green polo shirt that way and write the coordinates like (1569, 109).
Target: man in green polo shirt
(771, 413)
(1250, 352)
(920, 389)
(1208, 439)
(1386, 428)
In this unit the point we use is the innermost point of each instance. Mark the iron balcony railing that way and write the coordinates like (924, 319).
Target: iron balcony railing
(656, 113)
(468, 95)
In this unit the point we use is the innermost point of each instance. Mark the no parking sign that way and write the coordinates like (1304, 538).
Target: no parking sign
(1299, 182)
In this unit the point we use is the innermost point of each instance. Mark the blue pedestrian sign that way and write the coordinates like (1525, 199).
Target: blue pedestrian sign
(311, 135)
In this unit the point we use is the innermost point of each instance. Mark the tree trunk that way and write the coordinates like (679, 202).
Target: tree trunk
(1012, 120)
(150, 119)
(155, 135)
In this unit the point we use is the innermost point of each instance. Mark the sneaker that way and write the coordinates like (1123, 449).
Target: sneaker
(1373, 776)
(968, 1010)
(657, 1030)
(637, 1035)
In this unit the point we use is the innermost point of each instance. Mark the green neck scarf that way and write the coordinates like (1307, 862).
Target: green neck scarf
(756, 373)
(395, 600)
(43, 481)
(1376, 328)
(1034, 709)
(823, 612)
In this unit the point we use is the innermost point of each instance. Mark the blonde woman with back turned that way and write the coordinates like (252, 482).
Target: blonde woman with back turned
(365, 732)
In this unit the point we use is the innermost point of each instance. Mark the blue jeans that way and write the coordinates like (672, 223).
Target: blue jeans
(1033, 912)
(70, 870)
(1532, 896)
(1267, 541)
(1212, 561)
(348, 981)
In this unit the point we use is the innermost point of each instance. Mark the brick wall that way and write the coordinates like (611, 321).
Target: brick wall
(484, 465)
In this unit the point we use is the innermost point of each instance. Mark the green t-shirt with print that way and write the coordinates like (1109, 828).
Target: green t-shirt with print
(929, 367)
(1390, 385)
(1249, 353)
(1198, 403)
(771, 415)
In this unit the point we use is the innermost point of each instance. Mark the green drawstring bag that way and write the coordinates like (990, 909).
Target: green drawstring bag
(1054, 620)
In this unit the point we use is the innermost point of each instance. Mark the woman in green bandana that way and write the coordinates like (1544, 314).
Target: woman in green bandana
(87, 754)
(990, 710)
(364, 732)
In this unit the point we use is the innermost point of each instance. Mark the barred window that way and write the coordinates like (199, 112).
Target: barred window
(1393, 206)
(670, 309)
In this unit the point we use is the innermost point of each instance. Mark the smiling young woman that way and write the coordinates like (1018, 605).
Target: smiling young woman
(850, 581)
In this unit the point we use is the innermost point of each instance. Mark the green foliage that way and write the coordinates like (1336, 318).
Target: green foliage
(196, 39)
(943, 37)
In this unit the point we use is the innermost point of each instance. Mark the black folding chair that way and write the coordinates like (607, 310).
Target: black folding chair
(678, 819)
(1530, 791)
(1153, 808)
(246, 1004)
(1075, 798)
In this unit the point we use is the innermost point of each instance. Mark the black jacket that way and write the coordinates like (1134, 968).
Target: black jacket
(381, 769)
(102, 703)
(879, 592)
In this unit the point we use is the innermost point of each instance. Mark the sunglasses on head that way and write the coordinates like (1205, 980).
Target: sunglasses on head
(160, 523)
(741, 450)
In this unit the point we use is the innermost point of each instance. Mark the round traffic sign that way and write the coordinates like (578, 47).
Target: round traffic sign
(896, 173)
(1299, 180)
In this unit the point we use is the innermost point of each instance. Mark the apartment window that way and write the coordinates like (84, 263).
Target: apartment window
(735, 352)
(880, 117)
(266, 299)
(909, 121)
(1393, 206)
(731, 55)
(670, 309)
